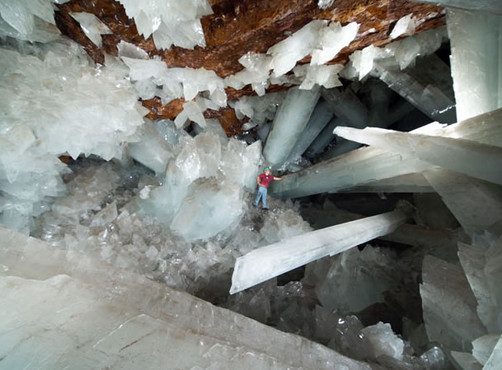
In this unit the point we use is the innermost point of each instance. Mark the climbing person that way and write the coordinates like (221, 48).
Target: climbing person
(263, 179)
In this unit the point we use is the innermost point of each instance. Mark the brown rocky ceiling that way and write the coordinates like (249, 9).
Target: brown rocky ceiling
(239, 26)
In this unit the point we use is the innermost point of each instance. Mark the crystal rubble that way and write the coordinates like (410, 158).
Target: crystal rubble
(169, 21)
(367, 165)
(289, 123)
(475, 43)
(452, 319)
(465, 156)
(284, 307)
(97, 218)
(268, 262)
(123, 321)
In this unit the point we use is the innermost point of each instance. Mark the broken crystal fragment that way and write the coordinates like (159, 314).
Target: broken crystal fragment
(475, 44)
(151, 149)
(383, 341)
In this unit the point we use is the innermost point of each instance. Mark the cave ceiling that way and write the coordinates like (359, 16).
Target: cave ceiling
(240, 26)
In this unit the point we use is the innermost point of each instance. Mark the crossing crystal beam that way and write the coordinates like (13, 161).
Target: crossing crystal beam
(265, 263)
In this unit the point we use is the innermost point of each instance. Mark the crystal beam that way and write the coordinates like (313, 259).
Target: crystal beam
(270, 261)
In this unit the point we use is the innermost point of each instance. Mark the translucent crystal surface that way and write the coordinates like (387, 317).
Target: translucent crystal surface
(28, 20)
(461, 155)
(267, 262)
(405, 25)
(475, 41)
(120, 319)
(364, 165)
(451, 319)
(289, 123)
(171, 22)
(39, 122)
(92, 27)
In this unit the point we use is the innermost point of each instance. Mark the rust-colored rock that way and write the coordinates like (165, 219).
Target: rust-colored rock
(159, 111)
(228, 120)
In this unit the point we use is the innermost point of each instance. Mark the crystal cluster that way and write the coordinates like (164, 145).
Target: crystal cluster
(170, 22)
(153, 78)
(320, 39)
(62, 105)
(28, 20)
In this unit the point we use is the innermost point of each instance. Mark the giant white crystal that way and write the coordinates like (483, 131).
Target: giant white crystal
(465, 156)
(267, 262)
(475, 61)
(109, 317)
(365, 165)
(289, 123)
